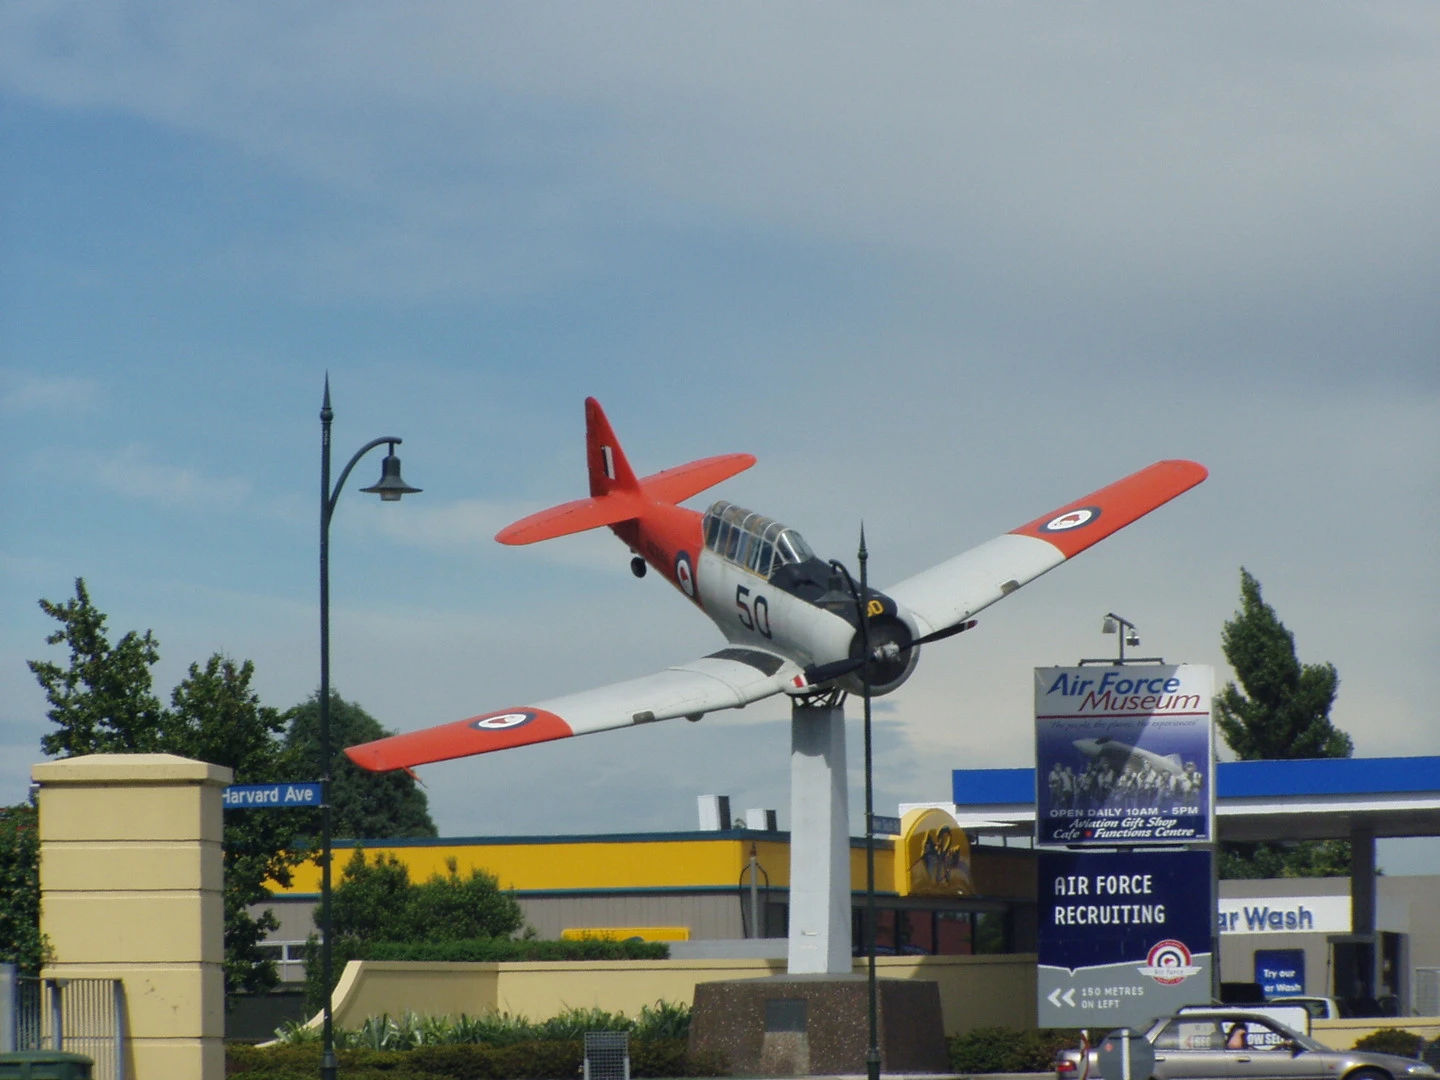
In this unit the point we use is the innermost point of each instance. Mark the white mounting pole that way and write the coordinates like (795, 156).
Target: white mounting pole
(819, 842)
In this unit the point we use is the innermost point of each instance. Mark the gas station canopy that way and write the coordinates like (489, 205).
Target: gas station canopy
(1307, 799)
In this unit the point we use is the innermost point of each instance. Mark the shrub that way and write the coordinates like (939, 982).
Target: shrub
(664, 1021)
(1392, 1041)
(534, 1060)
(1006, 1050)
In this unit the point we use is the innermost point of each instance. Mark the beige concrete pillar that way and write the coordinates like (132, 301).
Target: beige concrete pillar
(130, 888)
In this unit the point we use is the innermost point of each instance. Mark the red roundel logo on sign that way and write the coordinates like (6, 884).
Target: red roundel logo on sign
(1169, 962)
(1071, 519)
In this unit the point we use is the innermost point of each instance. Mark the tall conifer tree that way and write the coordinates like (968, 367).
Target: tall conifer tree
(1280, 709)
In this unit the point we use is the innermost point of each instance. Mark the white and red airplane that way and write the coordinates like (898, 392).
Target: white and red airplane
(790, 618)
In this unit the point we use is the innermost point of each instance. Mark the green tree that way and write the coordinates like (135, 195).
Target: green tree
(215, 716)
(450, 907)
(102, 701)
(20, 940)
(1284, 709)
(368, 902)
(1280, 709)
(375, 901)
(365, 805)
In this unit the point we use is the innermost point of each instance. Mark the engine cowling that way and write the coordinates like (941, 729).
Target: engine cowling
(892, 650)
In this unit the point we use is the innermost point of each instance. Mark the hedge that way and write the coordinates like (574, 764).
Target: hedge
(497, 950)
(1007, 1050)
(1392, 1041)
(522, 1061)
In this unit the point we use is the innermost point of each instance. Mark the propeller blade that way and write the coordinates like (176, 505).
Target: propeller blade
(823, 673)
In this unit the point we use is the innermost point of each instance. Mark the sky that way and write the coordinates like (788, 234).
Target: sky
(940, 267)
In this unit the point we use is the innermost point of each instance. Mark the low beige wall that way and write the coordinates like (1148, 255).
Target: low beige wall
(975, 991)
(1342, 1034)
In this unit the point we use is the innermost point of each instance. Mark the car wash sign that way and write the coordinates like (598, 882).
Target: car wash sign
(1123, 936)
(1124, 755)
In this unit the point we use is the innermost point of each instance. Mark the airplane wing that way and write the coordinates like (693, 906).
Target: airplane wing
(728, 679)
(948, 594)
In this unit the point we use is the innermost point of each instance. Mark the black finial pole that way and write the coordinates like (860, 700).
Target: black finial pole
(872, 1054)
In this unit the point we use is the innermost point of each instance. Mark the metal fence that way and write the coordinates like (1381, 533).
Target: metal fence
(82, 1016)
(607, 1055)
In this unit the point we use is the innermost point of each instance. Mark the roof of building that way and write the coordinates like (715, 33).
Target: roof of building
(1313, 798)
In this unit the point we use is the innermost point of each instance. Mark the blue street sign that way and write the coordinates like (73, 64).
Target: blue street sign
(881, 825)
(272, 796)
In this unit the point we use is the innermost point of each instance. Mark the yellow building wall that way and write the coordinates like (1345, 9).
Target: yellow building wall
(584, 864)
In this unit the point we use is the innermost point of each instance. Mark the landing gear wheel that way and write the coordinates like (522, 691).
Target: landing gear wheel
(637, 566)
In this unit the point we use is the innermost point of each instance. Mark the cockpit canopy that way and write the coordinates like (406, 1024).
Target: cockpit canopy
(760, 544)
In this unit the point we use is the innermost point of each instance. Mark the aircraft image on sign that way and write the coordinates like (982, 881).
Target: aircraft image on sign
(1119, 756)
(789, 617)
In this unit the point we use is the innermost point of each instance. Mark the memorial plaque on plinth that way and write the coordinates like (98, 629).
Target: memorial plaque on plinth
(819, 1025)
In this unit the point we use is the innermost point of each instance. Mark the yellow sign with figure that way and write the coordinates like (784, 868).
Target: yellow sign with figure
(932, 856)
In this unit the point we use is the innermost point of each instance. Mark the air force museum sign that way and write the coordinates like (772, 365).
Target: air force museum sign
(1123, 755)
(1123, 761)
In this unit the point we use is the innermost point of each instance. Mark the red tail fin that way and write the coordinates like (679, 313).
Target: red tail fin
(609, 469)
(615, 494)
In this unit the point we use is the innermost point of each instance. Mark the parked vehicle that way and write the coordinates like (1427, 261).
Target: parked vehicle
(1235, 1044)
(1319, 1008)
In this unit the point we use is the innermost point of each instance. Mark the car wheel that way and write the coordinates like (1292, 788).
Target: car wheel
(1368, 1074)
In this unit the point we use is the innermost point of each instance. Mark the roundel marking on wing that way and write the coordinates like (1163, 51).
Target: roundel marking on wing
(502, 721)
(685, 573)
(1072, 519)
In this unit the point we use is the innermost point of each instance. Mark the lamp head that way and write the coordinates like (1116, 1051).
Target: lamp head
(390, 486)
(1109, 626)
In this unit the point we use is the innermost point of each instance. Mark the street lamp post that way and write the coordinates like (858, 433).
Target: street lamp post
(390, 487)
(861, 596)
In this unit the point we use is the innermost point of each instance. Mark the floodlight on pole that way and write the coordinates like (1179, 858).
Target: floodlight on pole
(1124, 628)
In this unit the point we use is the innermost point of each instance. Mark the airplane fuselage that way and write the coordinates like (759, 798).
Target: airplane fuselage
(764, 590)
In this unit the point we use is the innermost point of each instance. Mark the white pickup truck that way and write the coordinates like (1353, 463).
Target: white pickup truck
(1319, 1008)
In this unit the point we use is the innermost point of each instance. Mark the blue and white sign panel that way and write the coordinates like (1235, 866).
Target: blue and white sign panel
(271, 796)
(1123, 936)
(1124, 755)
(1280, 971)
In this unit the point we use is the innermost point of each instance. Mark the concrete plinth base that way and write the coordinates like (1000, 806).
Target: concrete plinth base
(818, 1025)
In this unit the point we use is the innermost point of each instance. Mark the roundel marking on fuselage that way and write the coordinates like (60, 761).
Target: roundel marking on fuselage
(685, 573)
(1072, 519)
(502, 721)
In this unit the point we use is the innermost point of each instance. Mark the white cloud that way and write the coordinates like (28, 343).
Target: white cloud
(65, 395)
(1096, 150)
(132, 474)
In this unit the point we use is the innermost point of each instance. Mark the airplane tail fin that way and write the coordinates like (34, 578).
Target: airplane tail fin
(609, 468)
(615, 494)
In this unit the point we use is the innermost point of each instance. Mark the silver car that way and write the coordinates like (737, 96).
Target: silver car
(1232, 1044)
